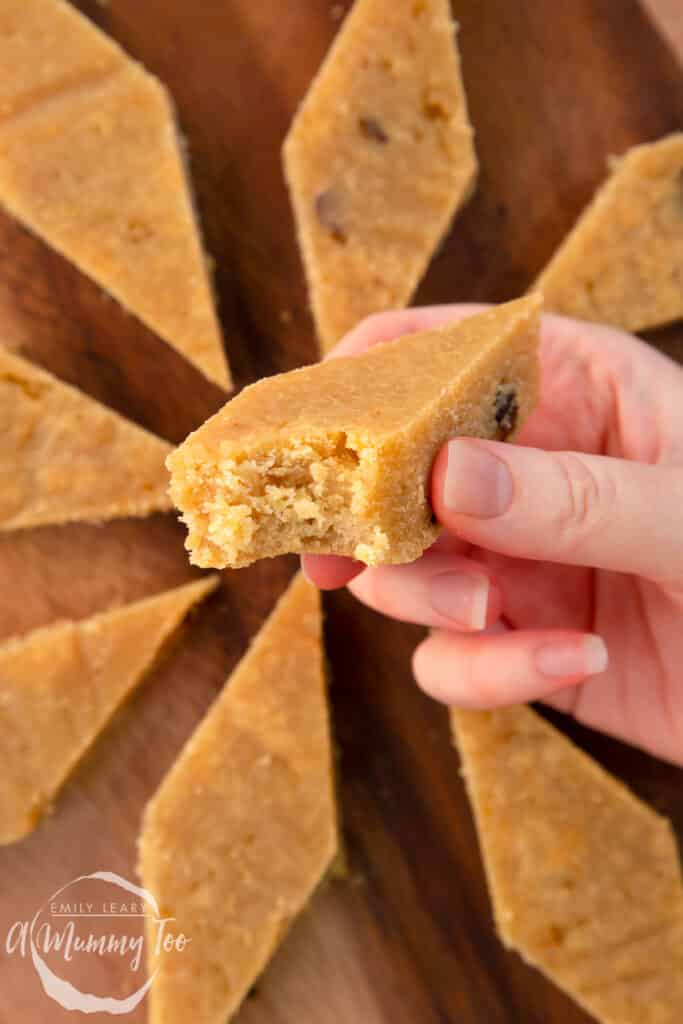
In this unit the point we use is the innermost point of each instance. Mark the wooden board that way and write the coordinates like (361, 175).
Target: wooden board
(408, 937)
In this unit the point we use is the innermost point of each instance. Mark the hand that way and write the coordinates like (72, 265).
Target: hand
(557, 549)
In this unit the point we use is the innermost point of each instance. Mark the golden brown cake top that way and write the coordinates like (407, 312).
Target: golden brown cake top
(622, 263)
(64, 457)
(253, 788)
(91, 161)
(585, 878)
(59, 685)
(48, 47)
(372, 394)
(378, 157)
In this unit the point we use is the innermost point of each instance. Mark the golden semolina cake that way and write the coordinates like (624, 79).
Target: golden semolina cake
(243, 827)
(61, 684)
(378, 159)
(64, 457)
(91, 161)
(622, 263)
(585, 879)
(335, 458)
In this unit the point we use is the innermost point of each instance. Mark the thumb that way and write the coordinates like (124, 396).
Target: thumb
(562, 506)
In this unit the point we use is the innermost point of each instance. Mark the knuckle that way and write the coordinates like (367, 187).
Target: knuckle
(587, 497)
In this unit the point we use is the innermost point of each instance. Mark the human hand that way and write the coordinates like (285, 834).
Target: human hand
(557, 549)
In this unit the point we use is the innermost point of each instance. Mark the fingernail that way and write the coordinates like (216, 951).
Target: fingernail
(477, 483)
(586, 656)
(304, 572)
(461, 597)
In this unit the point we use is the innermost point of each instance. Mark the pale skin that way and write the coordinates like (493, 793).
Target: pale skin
(559, 573)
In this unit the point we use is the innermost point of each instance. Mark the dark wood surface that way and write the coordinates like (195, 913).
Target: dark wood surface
(407, 937)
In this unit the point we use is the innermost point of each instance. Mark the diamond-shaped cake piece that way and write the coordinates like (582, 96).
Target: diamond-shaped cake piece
(64, 457)
(47, 47)
(90, 160)
(622, 264)
(61, 684)
(243, 827)
(378, 158)
(585, 879)
(334, 458)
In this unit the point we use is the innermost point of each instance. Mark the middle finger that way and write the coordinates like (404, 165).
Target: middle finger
(442, 590)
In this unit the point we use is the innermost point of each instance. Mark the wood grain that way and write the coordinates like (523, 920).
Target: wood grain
(407, 938)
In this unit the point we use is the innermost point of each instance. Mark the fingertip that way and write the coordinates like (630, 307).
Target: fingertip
(463, 598)
(579, 655)
(421, 666)
(330, 572)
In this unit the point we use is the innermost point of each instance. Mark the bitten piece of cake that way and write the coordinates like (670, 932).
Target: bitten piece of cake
(335, 458)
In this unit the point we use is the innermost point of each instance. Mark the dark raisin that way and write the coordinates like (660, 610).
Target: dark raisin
(326, 212)
(433, 109)
(371, 128)
(506, 408)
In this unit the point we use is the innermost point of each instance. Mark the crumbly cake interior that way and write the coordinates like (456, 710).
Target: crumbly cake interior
(329, 492)
(307, 494)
